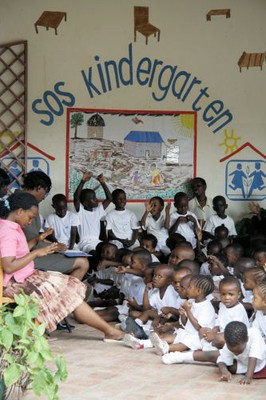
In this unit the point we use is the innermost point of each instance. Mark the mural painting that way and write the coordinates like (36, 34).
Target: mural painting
(146, 153)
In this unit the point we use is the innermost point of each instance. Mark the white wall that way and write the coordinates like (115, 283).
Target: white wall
(208, 50)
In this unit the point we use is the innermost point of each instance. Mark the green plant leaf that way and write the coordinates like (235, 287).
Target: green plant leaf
(11, 375)
(19, 310)
(7, 339)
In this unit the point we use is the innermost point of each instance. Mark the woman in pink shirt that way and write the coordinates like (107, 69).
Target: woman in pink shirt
(58, 294)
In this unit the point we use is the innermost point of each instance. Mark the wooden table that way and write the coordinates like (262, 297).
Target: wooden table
(251, 60)
(50, 19)
(224, 11)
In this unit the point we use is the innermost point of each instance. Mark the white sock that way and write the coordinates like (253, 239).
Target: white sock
(139, 322)
(146, 343)
(187, 356)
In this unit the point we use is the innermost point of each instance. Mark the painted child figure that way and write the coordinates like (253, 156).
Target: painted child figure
(64, 222)
(122, 223)
(90, 212)
(183, 221)
(153, 222)
(220, 218)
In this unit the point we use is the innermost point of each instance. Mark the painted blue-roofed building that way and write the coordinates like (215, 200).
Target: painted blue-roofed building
(143, 144)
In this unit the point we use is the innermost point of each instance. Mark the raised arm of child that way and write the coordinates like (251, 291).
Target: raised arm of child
(148, 208)
(85, 178)
(167, 215)
(107, 192)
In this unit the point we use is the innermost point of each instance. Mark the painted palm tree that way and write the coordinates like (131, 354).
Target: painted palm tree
(77, 119)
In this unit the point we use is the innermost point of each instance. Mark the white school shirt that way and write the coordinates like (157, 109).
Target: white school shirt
(204, 314)
(226, 315)
(157, 229)
(255, 347)
(170, 298)
(62, 226)
(213, 221)
(260, 323)
(90, 227)
(185, 229)
(122, 223)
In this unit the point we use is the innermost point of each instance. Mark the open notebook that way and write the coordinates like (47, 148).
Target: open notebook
(76, 253)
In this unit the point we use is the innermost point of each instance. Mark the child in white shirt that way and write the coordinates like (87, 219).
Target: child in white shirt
(153, 222)
(64, 223)
(122, 224)
(90, 212)
(183, 221)
(230, 309)
(220, 218)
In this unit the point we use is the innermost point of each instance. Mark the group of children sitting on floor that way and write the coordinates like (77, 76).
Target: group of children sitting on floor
(172, 285)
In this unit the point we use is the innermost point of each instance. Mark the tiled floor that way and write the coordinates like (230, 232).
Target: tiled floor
(99, 370)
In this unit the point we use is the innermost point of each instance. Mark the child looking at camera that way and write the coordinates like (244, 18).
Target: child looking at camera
(230, 309)
(153, 222)
(90, 212)
(122, 223)
(183, 221)
(220, 218)
(64, 222)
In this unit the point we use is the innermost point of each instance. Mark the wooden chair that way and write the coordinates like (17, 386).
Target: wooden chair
(3, 299)
(142, 25)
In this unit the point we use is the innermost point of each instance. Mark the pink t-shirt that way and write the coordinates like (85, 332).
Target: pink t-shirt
(13, 243)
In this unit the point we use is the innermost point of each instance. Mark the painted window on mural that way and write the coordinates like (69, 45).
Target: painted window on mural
(146, 153)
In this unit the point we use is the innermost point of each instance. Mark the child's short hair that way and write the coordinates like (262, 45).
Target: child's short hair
(174, 239)
(237, 249)
(58, 197)
(84, 193)
(151, 238)
(221, 228)
(179, 196)
(144, 256)
(168, 268)
(116, 193)
(123, 252)
(192, 265)
(218, 198)
(159, 199)
(214, 243)
(230, 280)
(204, 283)
(235, 333)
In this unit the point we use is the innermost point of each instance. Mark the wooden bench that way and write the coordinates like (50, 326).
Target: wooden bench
(224, 11)
(251, 60)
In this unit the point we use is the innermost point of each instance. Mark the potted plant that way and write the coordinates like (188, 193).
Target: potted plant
(25, 352)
